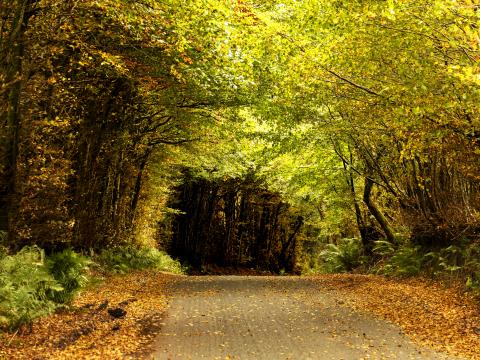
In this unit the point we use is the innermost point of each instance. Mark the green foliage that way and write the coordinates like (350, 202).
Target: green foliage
(447, 260)
(383, 248)
(3, 237)
(32, 285)
(3, 242)
(342, 257)
(405, 261)
(25, 285)
(460, 261)
(473, 283)
(122, 259)
(471, 267)
(70, 270)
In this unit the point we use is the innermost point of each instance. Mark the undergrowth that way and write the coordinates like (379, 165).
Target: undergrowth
(344, 256)
(122, 259)
(405, 260)
(34, 285)
(70, 269)
(460, 262)
(25, 285)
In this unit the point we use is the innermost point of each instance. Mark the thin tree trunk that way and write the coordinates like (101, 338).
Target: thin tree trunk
(377, 214)
(358, 212)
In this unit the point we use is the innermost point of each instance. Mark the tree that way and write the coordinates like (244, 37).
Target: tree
(15, 16)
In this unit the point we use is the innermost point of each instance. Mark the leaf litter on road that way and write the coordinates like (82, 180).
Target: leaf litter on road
(443, 318)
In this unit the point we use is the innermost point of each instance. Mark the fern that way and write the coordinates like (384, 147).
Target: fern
(24, 286)
(472, 267)
(406, 261)
(383, 248)
(71, 271)
(122, 259)
(342, 257)
(447, 260)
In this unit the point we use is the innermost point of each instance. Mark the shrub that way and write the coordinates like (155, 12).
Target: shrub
(407, 260)
(122, 259)
(25, 283)
(383, 248)
(71, 272)
(342, 257)
(472, 267)
(460, 261)
(447, 260)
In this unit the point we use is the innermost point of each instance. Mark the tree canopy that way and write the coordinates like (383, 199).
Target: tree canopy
(362, 115)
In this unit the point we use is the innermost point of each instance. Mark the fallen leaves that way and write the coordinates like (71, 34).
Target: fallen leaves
(442, 318)
(430, 314)
(116, 320)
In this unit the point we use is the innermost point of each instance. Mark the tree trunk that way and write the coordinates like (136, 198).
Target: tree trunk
(377, 214)
(12, 67)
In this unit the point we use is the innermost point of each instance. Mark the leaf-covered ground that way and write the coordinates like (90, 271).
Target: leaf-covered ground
(89, 331)
(430, 314)
(444, 319)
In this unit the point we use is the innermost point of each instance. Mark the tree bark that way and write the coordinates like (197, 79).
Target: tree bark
(377, 214)
(13, 70)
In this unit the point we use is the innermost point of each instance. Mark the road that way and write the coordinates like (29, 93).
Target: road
(262, 317)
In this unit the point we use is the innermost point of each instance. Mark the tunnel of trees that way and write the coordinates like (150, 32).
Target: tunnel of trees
(360, 118)
(234, 223)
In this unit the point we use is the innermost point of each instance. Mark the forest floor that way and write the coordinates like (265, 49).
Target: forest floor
(88, 331)
(247, 317)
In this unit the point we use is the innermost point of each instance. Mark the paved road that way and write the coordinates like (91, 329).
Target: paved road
(239, 317)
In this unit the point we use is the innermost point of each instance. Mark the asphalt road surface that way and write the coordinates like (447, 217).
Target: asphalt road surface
(262, 317)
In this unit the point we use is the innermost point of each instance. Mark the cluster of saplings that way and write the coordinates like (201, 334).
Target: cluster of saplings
(33, 284)
(459, 262)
